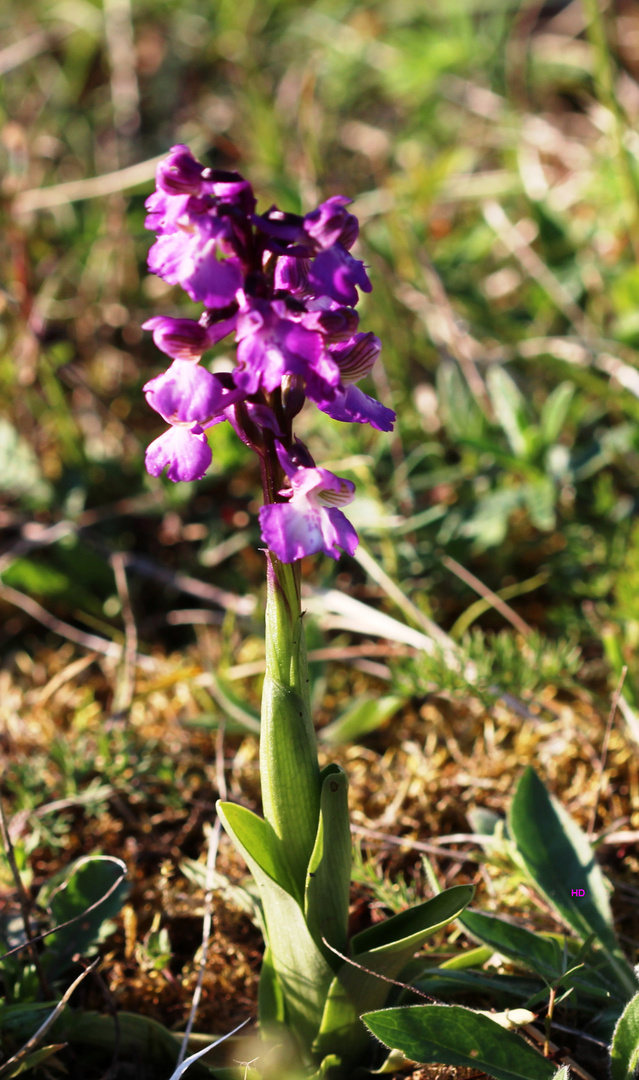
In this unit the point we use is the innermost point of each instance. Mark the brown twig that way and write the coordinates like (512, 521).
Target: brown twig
(416, 845)
(124, 690)
(604, 749)
(536, 268)
(8, 1067)
(207, 925)
(487, 594)
(65, 630)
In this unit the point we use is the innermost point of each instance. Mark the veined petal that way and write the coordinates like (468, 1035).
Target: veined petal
(184, 452)
(186, 339)
(357, 357)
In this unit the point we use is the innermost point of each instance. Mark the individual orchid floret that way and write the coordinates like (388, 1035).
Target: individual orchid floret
(188, 257)
(185, 339)
(271, 345)
(179, 173)
(310, 521)
(332, 224)
(183, 451)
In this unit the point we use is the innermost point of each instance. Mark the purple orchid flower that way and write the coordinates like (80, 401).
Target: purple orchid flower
(287, 285)
(310, 521)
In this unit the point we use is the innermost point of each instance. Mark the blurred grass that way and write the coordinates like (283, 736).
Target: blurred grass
(491, 149)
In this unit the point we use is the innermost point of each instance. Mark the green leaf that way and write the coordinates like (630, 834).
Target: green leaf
(539, 498)
(542, 955)
(457, 406)
(514, 942)
(452, 1035)
(560, 860)
(398, 932)
(510, 409)
(554, 412)
(363, 716)
(36, 577)
(7, 1072)
(329, 871)
(624, 1052)
(301, 970)
(383, 950)
(92, 893)
(20, 472)
(440, 982)
(135, 1036)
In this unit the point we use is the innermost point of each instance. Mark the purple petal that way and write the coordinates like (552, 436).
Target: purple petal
(338, 324)
(184, 450)
(179, 173)
(185, 339)
(331, 223)
(291, 273)
(270, 347)
(352, 405)
(187, 394)
(295, 529)
(181, 339)
(356, 358)
(207, 280)
(335, 273)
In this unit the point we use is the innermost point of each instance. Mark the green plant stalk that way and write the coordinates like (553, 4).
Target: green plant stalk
(289, 769)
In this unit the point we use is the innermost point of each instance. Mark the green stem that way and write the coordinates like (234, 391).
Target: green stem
(288, 751)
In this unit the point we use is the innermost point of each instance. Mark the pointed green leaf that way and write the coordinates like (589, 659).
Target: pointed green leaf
(302, 972)
(415, 922)
(560, 859)
(329, 871)
(624, 1052)
(452, 1035)
(514, 942)
(25, 1064)
(541, 954)
(383, 950)
(363, 716)
(256, 841)
(554, 412)
(510, 409)
(460, 412)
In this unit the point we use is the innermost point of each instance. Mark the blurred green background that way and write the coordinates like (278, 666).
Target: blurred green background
(491, 152)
